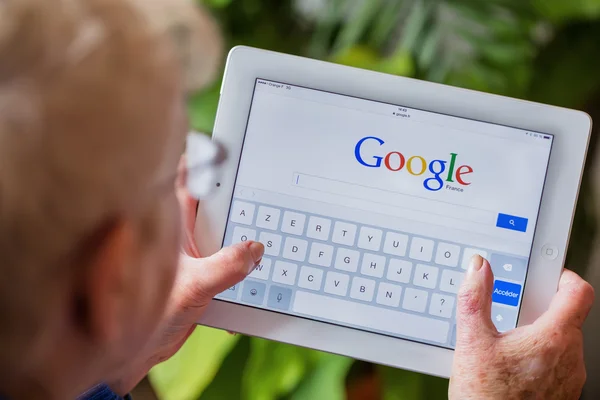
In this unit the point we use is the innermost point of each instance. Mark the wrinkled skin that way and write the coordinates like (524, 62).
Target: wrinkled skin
(540, 361)
(543, 360)
(198, 281)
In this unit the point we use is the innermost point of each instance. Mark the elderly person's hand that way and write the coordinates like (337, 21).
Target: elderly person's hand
(198, 281)
(539, 361)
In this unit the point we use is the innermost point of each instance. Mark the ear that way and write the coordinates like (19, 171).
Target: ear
(104, 281)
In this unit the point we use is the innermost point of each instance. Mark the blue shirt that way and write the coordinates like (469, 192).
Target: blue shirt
(100, 392)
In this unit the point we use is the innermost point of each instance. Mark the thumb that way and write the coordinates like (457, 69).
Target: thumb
(473, 315)
(207, 277)
(571, 304)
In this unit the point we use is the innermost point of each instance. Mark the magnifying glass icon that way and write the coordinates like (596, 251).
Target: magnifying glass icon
(511, 222)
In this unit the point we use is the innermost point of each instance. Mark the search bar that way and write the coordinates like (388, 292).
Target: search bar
(395, 199)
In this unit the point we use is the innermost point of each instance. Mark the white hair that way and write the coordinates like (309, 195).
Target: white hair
(82, 131)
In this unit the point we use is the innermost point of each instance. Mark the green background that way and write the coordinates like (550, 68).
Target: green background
(542, 50)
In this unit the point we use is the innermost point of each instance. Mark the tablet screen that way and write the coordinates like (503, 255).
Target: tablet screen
(370, 212)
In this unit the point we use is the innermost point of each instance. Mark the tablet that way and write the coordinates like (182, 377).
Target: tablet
(371, 193)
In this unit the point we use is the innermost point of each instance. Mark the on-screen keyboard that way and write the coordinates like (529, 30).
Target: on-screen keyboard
(361, 276)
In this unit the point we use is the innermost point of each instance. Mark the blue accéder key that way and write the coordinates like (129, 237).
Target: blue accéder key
(506, 293)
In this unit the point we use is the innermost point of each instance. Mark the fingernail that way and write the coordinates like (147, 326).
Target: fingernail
(257, 249)
(475, 264)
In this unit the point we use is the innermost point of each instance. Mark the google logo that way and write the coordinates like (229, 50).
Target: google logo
(415, 165)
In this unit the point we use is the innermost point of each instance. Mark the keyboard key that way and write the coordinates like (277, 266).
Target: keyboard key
(267, 218)
(415, 300)
(230, 293)
(506, 293)
(344, 233)
(253, 292)
(346, 259)
(262, 270)
(388, 294)
(272, 243)
(442, 305)
(318, 228)
(453, 338)
(372, 317)
(362, 289)
(372, 265)
(421, 249)
(426, 276)
(336, 283)
(511, 268)
(293, 223)
(295, 249)
(370, 238)
(310, 278)
(279, 298)
(504, 318)
(395, 244)
(399, 270)
(284, 272)
(320, 254)
(447, 254)
(241, 234)
(451, 281)
(468, 254)
(242, 212)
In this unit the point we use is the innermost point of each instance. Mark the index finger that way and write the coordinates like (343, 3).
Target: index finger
(572, 303)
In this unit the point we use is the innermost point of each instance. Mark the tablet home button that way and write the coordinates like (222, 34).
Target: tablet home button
(549, 252)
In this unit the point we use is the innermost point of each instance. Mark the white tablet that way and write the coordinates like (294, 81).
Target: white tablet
(371, 192)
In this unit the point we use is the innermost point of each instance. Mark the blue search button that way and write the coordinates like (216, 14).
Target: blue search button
(511, 222)
(506, 293)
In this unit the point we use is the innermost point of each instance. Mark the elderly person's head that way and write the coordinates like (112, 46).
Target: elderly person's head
(92, 127)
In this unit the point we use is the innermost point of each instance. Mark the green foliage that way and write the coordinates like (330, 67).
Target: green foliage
(326, 380)
(404, 385)
(202, 108)
(573, 80)
(190, 371)
(273, 370)
(544, 50)
(228, 382)
(215, 365)
(562, 11)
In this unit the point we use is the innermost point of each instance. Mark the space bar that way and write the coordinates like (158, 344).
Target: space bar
(367, 316)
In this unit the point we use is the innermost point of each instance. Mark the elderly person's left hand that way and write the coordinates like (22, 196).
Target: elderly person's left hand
(198, 281)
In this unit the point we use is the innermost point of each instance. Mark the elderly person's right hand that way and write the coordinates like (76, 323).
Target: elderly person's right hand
(543, 360)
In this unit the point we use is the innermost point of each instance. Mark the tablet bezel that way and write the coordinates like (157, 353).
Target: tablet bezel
(571, 130)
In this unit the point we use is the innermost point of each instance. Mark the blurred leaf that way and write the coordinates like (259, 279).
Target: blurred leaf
(566, 71)
(400, 63)
(429, 48)
(359, 57)
(435, 388)
(358, 22)
(486, 46)
(387, 23)
(322, 36)
(202, 108)
(415, 24)
(563, 10)
(185, 375)
(273, 369)
(227, 384)
(216, 3)
(327, 379)
(401, 385)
